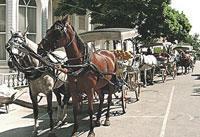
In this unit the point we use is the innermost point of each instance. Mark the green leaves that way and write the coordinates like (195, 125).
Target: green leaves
(176, 24)
(165, 22)
(153, 18)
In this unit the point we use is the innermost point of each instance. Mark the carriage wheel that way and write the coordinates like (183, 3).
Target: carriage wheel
(164, 75)
(174, 72)
(138, 91)
(123, 99)
(134, 84)
(138, 87)
(192, 67)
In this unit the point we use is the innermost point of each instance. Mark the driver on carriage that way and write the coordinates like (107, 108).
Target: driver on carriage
(149, 51)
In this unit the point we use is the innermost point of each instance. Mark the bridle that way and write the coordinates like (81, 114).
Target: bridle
(27, 51)
(62, 28)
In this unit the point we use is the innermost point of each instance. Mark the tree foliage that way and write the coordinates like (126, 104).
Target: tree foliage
(194, 41)
(163, 21)
(153, 18)
(177, 26)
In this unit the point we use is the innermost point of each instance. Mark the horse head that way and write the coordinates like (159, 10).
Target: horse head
(59, 35)
(19, 47)
(62, 34)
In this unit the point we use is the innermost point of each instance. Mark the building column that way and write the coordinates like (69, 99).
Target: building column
(44, 20)
(11, 17)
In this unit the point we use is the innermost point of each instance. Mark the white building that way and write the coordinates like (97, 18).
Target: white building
(37, 14)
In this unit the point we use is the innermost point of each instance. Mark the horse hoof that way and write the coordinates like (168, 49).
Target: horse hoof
(97, 123)
(91, 134)
(59, 123)
(64, 122)
(75, 134)
(151, 83)
(107, 123)
(34, 134)
(52, 134)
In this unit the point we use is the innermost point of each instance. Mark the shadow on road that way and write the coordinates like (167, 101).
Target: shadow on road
(66, 129)
(196, 92)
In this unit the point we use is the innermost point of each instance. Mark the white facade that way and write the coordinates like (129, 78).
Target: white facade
(17, 19)
(37, 14)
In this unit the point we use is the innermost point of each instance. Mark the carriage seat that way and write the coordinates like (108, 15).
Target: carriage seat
(161, 56)
(123, 55)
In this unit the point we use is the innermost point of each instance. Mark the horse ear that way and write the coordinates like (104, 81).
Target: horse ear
(27, 28)
(11, 32)
(65, 19)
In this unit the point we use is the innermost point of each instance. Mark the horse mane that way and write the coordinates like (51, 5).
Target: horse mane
(78, 38)
(79, 41)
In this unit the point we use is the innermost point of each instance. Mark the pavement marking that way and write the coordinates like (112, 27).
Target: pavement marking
(164, 125)
(141, 116)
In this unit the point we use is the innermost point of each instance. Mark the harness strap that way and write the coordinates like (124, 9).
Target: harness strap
(95, 68)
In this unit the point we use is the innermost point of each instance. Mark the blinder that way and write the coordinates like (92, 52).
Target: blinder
(17, 45)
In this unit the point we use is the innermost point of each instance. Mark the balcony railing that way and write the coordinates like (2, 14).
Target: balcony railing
(8, 83)
(14, 80)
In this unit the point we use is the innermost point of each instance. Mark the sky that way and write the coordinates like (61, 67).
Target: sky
(191, 9)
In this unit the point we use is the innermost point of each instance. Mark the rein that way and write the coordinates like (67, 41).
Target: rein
(30, 72)
(71, 59)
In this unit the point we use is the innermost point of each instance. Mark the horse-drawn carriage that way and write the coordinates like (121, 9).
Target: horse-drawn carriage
(186, 58)
(121, 42)
(166, 64)
(87, 70)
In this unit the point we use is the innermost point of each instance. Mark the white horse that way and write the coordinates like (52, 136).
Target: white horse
(41, 79)
(146, 63)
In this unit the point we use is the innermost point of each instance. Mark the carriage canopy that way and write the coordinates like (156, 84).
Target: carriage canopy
(182, 48)
(109, 34)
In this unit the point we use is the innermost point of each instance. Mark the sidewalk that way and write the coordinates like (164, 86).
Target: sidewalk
(22, 98)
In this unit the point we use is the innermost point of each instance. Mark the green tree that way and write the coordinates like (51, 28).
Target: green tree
(177, 26)
(194, 41)
(163, 21)
(153, 18)
(107, 13)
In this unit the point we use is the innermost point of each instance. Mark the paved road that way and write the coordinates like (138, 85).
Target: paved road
(168, 109)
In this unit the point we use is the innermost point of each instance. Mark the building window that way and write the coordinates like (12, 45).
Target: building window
(27, 17)
(82, 23)
(2, 29)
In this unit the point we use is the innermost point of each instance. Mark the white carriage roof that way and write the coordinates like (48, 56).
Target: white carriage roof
(151, 45)
(109, 34)
(181, 48)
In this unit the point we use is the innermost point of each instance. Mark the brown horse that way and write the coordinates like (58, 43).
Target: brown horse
(184, 61)
(90, 71)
